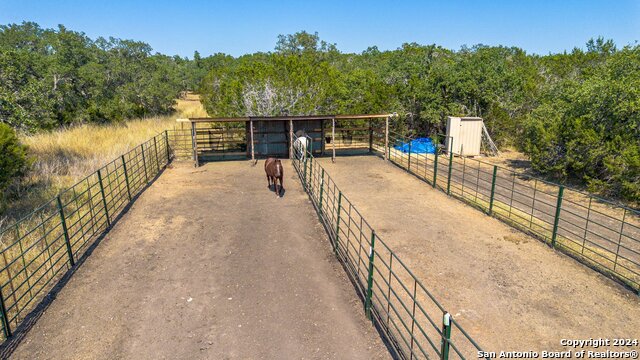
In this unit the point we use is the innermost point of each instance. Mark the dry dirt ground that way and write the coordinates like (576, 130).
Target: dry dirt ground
(507, 289)
(208, 263)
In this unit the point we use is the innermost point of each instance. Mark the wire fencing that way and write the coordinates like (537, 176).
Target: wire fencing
(39, 248)
(413, 322)
(604, 235)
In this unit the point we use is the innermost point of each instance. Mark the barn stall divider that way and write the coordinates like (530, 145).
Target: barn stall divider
(37, 250)
(592, 230)
(409, 317)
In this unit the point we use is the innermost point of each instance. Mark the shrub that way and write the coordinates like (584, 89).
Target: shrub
(13, 156)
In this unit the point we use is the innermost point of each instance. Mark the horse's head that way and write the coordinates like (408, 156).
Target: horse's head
(278, 166)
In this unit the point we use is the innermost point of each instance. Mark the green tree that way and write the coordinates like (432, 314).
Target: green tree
(13, 157)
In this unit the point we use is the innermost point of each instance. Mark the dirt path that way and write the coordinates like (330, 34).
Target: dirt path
(607, 235)
(510, 291)
(209, 264)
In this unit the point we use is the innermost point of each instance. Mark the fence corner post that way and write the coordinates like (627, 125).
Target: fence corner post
(63, 221)
(493, 188)
(367, 304)
(166, 138)
(557, 217)
(446, 336)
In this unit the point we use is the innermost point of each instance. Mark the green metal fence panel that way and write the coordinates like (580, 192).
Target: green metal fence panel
(407, 313)
(39, 248)
(593, 230)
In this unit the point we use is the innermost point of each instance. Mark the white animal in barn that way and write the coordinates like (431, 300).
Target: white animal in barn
(300, 145)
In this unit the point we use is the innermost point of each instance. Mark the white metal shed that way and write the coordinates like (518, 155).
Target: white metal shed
(465, 134)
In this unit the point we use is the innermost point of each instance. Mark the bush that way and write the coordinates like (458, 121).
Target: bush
(13, 156)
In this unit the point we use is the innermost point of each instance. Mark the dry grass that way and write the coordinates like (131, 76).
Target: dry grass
(190, 106)
(64, 156)
(33, 250)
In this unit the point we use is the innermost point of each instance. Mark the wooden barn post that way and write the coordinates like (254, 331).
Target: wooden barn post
(290, 139)
(251, 139)
(322, 140)
(333, 139)
(386, 139)
(370, 135)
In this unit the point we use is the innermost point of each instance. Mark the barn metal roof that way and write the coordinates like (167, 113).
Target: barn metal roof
(292, 118)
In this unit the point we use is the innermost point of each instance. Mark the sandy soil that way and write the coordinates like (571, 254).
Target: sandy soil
(509, 290)
(208, 263)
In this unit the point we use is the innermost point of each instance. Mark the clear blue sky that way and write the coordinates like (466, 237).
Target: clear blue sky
(238, 27)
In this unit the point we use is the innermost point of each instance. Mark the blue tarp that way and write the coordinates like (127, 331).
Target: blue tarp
(417, 146)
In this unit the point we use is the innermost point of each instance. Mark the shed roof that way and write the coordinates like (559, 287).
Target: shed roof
(284, 118)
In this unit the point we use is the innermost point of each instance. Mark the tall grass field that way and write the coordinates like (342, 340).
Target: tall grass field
(62, 157)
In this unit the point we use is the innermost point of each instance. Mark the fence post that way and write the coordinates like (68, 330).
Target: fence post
(104, 199)
(413, 315)
(367, 304)
(446, 336)
(557, 219)
(370, 136)
(144, 164)
(126, 176)
(409, 163)
(493, 188)
(435, 168)
(335, 245)
(386, 139)
(624, 217)
(450, 165)
(64, 229)
(305, 173)
(321, 190)
(166, 138)
(311, 175)
(5, 319)
(155, 145)
(449, 175)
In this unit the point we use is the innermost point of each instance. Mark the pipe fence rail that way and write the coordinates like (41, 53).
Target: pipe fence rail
(413, 322)
(595, 231)
(39, 248)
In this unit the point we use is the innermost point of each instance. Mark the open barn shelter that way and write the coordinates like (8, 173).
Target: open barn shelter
(260, 137)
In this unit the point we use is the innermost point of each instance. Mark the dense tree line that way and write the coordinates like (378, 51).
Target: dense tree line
(576, 114)
(56, 77)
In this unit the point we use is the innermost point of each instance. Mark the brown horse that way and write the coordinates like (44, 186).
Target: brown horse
(274, 170)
